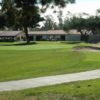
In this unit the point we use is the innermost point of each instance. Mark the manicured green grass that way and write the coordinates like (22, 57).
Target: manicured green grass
(84, 90)
(48, 58)
(37, 46)
(43, 59)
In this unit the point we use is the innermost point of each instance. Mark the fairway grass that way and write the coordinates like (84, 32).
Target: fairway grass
(38, 46)
(44, 59)
(84, 90)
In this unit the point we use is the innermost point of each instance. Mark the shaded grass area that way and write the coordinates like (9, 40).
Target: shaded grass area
(84, 90)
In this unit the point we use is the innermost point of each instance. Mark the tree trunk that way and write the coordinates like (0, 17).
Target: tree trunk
(26, 34)
(82, 35)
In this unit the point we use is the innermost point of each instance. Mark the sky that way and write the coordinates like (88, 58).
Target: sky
(87, 6)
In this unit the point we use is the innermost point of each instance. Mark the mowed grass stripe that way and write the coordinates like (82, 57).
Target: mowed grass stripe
(28, 64)
(23, 63)
(43, 59)
(37, 46)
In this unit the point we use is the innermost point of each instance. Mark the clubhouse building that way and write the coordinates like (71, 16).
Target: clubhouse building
(54, 35)
(11, 36)
(51, 35)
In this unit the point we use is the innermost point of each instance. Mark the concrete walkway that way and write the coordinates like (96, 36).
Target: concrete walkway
(50, 80)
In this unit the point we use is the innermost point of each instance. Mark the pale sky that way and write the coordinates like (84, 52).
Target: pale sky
(87, 6)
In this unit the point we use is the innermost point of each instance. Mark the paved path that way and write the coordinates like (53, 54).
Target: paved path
(50, 80)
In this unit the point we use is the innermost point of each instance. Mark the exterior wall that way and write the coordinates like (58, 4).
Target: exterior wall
(34, 38)
(45, 37)
(39, 38)
(50, 37)
(19, 37)
(57, 37)
(11, 38)
(7, 39)
(73, 37)
(68, 37)
(94, 38)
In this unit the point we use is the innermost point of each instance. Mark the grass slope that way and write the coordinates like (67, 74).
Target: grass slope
(42, 59)
(84, 90)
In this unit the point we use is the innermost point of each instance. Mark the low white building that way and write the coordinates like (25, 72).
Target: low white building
(51, 35)
(10, 36)
(54, 35)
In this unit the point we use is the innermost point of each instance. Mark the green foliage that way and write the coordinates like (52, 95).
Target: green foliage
(90, 24)
(8, 13)
(30, 10)
(49, 23)
(26, 13)
(2, 21)
(93, 23)
(43, 2)
(86, 26)
(60, 18)
(75, 23)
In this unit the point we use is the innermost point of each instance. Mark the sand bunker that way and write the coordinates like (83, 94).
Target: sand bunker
(87, 48)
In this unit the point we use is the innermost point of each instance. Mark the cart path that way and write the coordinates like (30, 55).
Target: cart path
(49, 80)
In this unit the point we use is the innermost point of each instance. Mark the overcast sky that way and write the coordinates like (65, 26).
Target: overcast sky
(87, 6)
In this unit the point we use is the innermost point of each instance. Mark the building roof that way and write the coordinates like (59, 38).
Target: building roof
(73, 32)
(50, 32)
(53, 32)
(9, 33)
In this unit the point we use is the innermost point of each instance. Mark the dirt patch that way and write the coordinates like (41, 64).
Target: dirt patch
(87, 48)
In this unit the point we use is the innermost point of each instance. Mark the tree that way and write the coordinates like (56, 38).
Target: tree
(85, 26)
(49, 23)
(29, 11)
(80, 24)
(9, 12)
(2, 21)
(60, 13)
(74, 23)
